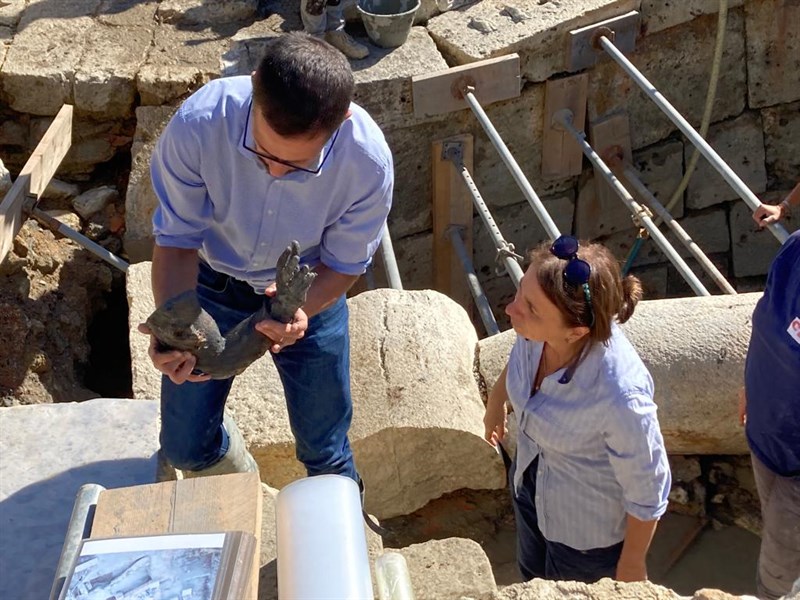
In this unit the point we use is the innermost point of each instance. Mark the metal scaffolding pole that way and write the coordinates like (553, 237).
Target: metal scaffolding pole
(633, 178)
(389, 261)
(564, 118)
(484, 309)
(504, 249)
(707, 151)
(538, 208)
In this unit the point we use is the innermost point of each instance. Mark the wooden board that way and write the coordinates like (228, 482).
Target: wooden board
(561, 155)
(611, 138)
(34, 176)
(494, 79)
(452, 205)
(197, 505)
(581, 52)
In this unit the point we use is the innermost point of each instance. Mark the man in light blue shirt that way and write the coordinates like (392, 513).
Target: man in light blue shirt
(247, 165)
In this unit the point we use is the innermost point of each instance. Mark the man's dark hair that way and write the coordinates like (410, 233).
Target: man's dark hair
(303, 85)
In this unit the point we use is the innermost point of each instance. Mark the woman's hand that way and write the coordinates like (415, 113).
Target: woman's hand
(494, 422)
(175, 364)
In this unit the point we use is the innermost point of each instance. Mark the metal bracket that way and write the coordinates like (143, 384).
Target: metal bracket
(583, 49)
(453, 152)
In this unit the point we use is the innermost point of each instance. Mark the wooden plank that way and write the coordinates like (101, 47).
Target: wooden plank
(494, 79)
(621, 30)
(561, 155)
(197, 505)
(452, 206)
(611, 138)
(34, 176)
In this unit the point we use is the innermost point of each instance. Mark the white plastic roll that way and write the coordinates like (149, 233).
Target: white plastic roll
(392, 577)
(322, 546)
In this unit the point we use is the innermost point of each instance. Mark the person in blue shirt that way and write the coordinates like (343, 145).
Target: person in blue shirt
(245, 166)
(770, 411)
(590, 478)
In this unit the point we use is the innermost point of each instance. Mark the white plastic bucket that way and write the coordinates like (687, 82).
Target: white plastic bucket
(322, 546)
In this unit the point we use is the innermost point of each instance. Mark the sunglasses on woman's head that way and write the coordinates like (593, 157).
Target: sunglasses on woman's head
(577, 271)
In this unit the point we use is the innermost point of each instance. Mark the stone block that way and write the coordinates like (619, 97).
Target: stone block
(108, 442)
(10, 12)
(678, 287)
(415, 261)
(500, 291)
(606, 588)
(773, 52)
(206, 12)
(383, 79)
(40, 65)
(520, 123)
(660, 168)
(653, 280)
(622, 242)
(697, 377)
(657, 15)
(754, 249)
(782, 144)
(677, 62)
(127, 13)
(740, 143)
(536, 31)
(140, 199)
(105, 80)
(597, 215)
(392, 377)
(181, 60)
(708, 229)
(449, 568)
(518, 225)
(249, 43)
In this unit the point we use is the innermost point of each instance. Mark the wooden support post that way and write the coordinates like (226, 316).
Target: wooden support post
(493, 80)
(611, 138)
(561, 155)
(452, 206)
(34, 176)
(197, 505)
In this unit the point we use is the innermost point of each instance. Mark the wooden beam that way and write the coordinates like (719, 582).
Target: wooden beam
(494, 79)
(611, 138)
(561, 155)
(452, 206)
(34, 176)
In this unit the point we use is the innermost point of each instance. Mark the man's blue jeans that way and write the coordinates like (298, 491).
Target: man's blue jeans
(538, 556)
(315, 372)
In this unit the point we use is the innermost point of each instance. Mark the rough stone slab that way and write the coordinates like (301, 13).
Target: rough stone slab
(658, 15)
(782, 144)
(605, 589)
(519, 226)
(740, 143)
(11, 12)
(697, 377)
(621, 243)
(391, 378)
(63, 9)
(660, 168)
(753, 250)
(127, 13)
(40, 65)
(47, 451)
(248, 44)
(206, 12)
(105, 81)
(449, 568)
(709, 230)
(678, 62)
(678, 287)
(413, 254)
(773, 52)
(181, 61)
(597, 215)
(653, 280)
(539, 38)
(140, 200)
(383, 79)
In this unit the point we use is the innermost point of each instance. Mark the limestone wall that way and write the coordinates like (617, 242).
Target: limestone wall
(125, 65)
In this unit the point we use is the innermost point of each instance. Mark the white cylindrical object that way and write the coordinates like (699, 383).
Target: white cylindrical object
(322, 546)
(392, 578)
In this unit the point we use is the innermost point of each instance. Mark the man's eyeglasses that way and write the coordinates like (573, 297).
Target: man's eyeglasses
(273, 158)
(577, 271)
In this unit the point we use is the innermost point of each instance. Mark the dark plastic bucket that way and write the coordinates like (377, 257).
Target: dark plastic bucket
(388, 22)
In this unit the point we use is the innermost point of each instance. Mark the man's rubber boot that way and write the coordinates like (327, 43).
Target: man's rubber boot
(236, 460)
(374, 526)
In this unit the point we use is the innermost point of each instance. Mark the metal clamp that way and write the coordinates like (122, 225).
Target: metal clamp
(506, 250)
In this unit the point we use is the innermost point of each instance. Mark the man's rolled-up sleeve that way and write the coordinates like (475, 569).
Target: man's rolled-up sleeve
(184, 208)
(637, 454)
(348, 244)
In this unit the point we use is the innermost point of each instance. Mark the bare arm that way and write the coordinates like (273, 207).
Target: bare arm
(174, 270)
(638, 535)
(494, 420)
(326, 289)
